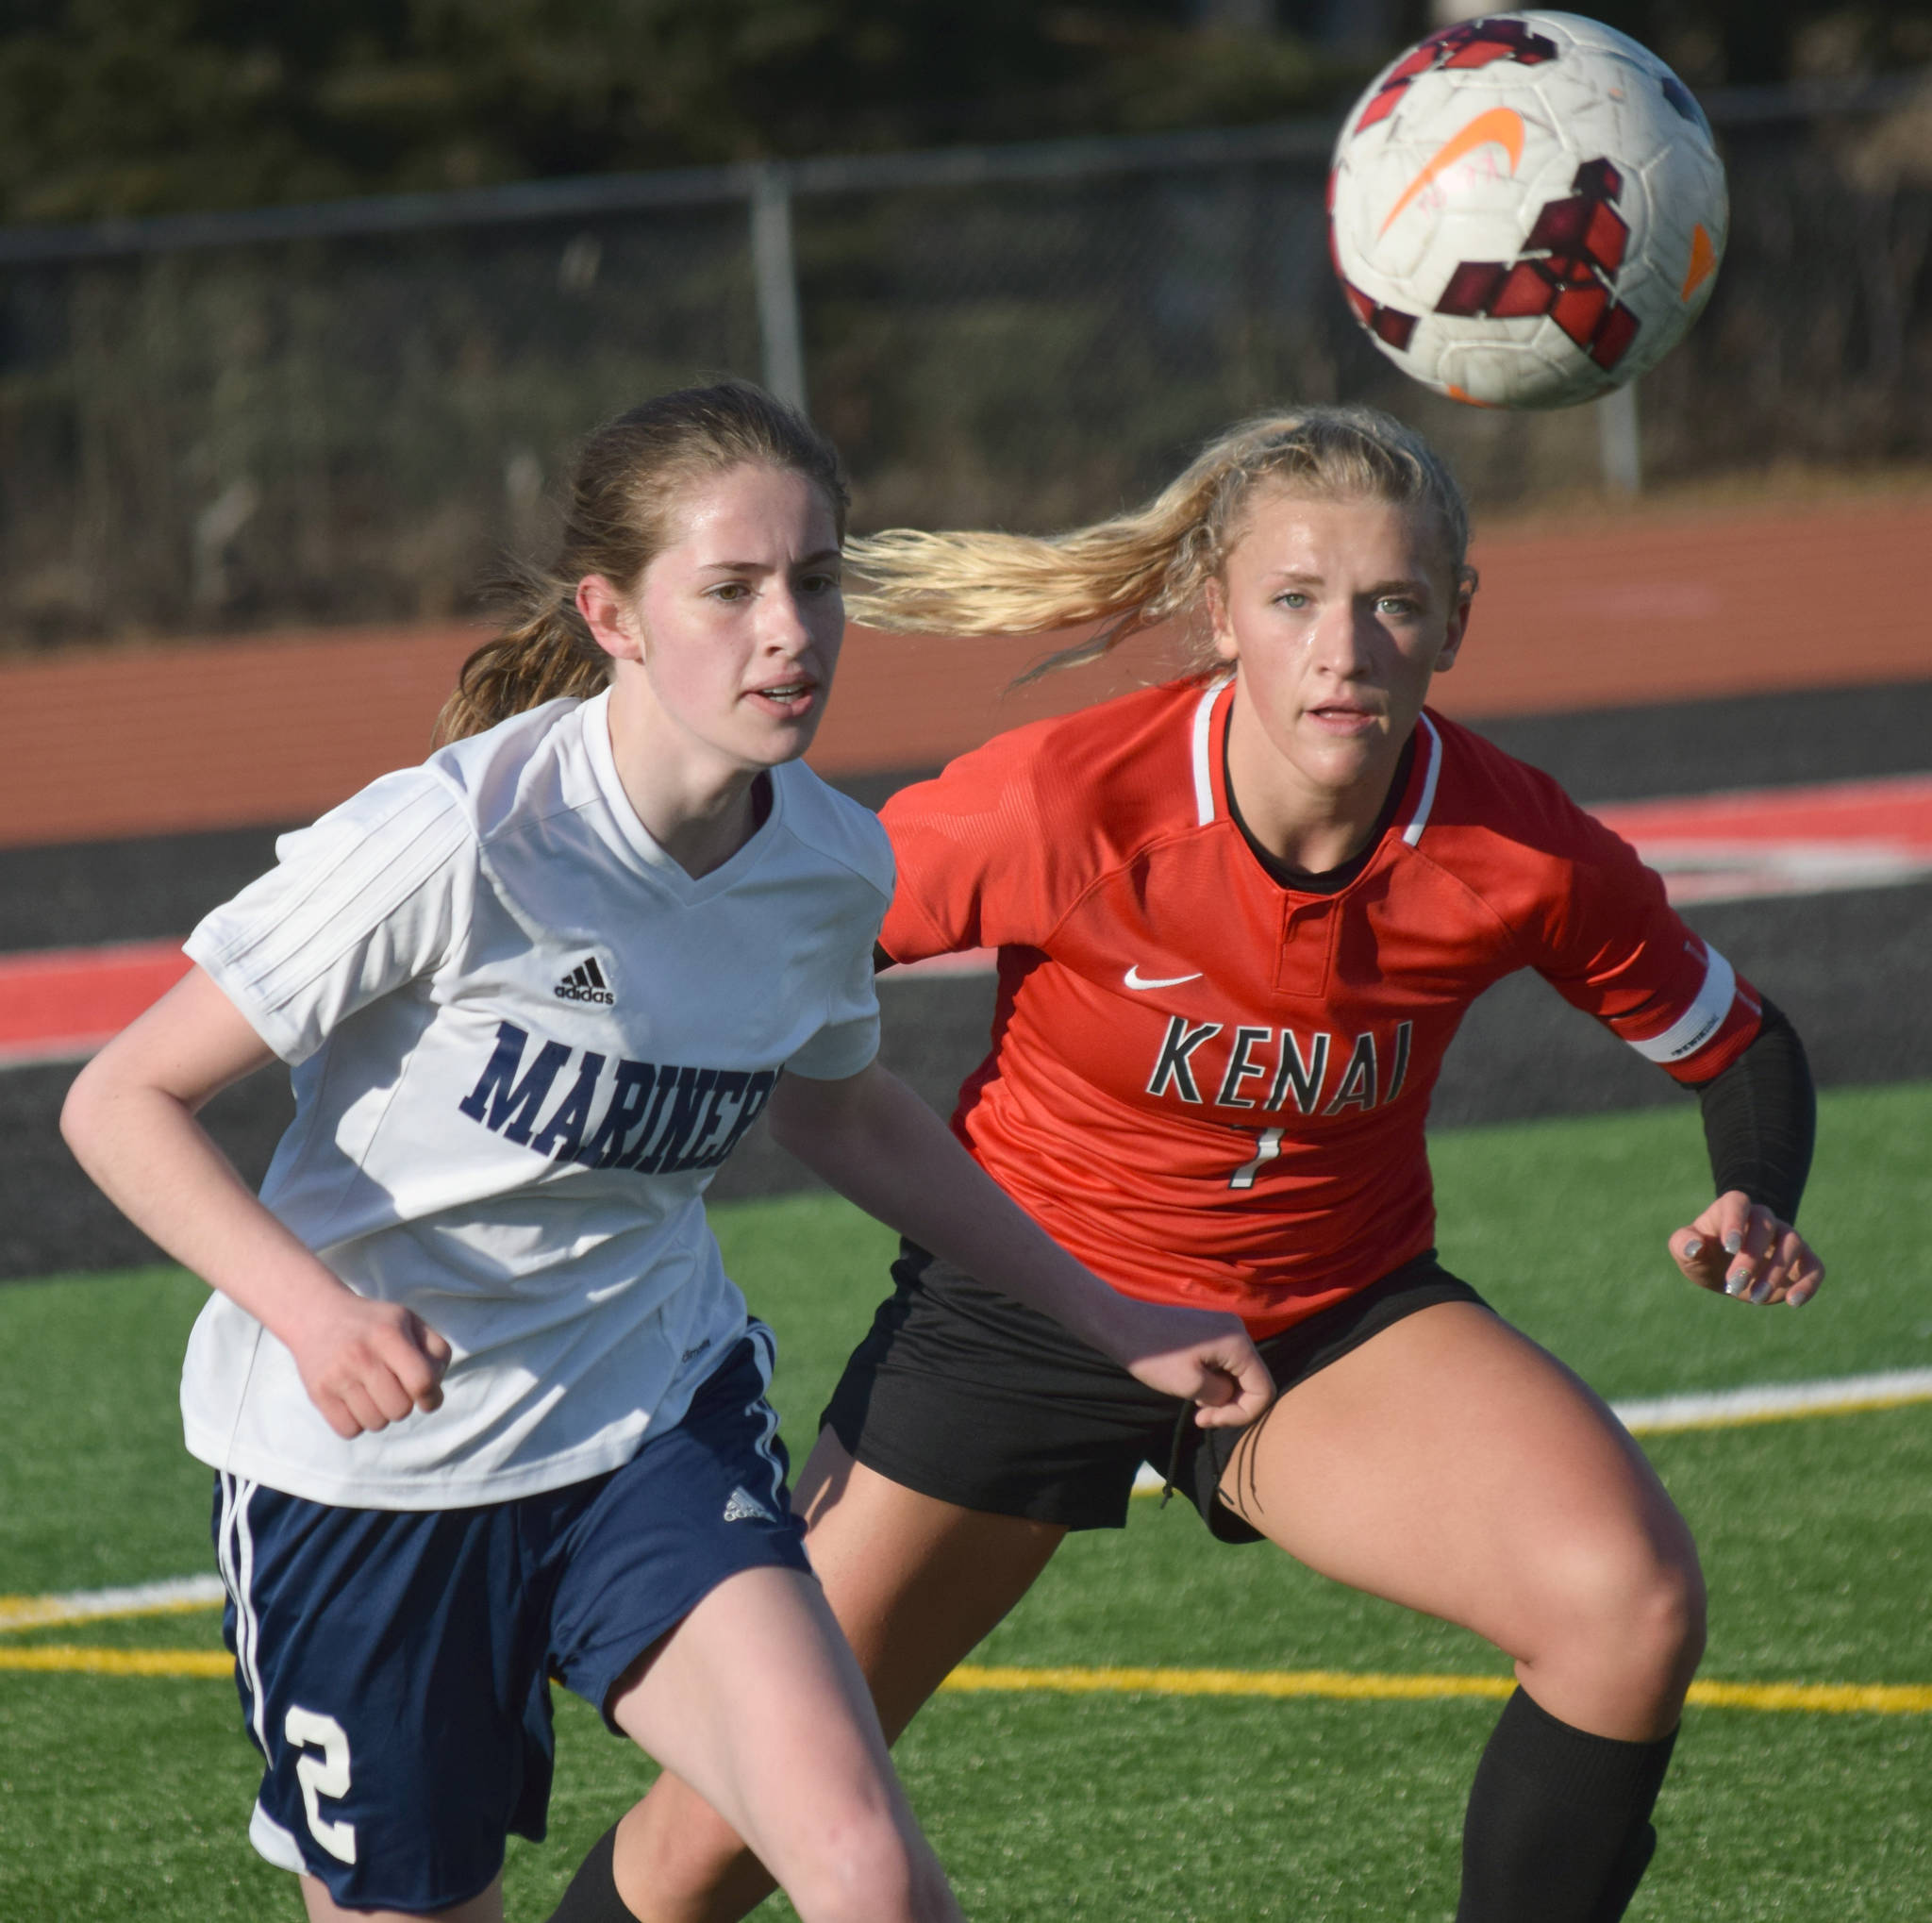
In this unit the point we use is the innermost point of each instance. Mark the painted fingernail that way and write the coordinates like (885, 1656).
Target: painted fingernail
(1733, 1242)
(1763, 1292)
(1733, 1282)
(1693, 1249)
(1796, 1301)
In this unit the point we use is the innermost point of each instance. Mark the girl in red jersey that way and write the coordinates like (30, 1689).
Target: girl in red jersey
(1239, 918)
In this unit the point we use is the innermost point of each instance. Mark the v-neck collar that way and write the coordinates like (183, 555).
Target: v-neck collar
(644, 849)
(1412, 793)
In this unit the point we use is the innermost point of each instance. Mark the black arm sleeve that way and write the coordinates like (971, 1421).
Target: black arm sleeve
(1760, 1116)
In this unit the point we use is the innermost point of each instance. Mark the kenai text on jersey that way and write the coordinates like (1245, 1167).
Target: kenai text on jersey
(1267, 1068)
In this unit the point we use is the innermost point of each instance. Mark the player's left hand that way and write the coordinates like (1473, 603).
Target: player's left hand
(1739, 1247)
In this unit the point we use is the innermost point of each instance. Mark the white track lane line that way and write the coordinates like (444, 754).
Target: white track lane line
(1736, 1408)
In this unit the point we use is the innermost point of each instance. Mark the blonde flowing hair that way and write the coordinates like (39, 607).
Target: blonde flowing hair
(631, 476)
(1152, 564)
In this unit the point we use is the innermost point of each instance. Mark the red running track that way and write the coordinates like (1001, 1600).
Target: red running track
(1628, 609)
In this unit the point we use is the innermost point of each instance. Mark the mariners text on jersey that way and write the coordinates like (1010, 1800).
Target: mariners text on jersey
(652, 1117)
(1211, 1085)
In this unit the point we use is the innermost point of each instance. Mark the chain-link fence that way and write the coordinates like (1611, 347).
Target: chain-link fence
(348, 412)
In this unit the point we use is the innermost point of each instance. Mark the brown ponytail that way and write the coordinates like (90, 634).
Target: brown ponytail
(631, 475)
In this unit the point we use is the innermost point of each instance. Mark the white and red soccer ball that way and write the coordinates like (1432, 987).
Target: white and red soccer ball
(1527, 210)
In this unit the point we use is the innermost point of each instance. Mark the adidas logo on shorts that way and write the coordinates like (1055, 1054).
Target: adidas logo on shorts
(585, 982)
(743, 1507)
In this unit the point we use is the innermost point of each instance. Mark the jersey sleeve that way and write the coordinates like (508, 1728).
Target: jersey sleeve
(973, 856)
(849, 1037)
(369, 898)
(1616, 948)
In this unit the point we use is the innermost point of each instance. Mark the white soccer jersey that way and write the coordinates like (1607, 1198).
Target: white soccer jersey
(522, 1041)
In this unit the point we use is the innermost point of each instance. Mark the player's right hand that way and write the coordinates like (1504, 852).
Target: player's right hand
(367, 1365)
(1198, 1355)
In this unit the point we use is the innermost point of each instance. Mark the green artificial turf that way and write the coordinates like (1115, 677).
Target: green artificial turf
(1562, 1225)
(123, 1797)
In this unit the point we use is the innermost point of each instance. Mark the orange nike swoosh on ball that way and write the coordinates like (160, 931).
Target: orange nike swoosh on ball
(1500, 127)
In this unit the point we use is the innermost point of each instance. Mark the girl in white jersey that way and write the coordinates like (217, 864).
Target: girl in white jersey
(483, 1406)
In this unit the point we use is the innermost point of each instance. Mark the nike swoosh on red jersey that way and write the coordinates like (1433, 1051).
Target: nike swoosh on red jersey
(1134, 979)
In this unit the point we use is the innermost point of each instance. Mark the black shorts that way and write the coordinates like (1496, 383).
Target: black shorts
(965, 1394)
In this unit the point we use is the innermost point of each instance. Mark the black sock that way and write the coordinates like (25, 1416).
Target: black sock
(592, 1895)
(1640, 1845)
(1558, 1823)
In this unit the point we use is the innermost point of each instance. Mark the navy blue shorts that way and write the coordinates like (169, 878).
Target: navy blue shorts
(394, 1664)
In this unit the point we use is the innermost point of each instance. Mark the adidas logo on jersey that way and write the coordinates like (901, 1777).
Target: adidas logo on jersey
(743, 1507)
(585, 982)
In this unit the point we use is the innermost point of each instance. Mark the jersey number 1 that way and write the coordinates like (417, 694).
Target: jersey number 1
(1266, 1147)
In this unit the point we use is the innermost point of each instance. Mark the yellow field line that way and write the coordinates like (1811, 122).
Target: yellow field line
(1832, 1698)
(1871, 1698)
(1251, 1682)
(1894, 1700)
(71, 1658)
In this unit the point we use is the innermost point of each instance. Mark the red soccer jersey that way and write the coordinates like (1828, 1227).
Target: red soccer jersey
(1210, 1087)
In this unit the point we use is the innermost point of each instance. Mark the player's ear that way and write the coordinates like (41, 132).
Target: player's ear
(1219, 623)
(610, 619)
(1462, 593)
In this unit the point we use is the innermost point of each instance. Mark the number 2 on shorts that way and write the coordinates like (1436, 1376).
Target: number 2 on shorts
(1266, 1147)
(327, 1775)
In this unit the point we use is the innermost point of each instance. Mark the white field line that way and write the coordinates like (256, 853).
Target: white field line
(1775, 1402)
(94, 1605)
(1736, 1408)
(1722, 1409)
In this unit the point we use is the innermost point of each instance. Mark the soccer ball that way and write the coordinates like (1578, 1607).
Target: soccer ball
(1526, 210)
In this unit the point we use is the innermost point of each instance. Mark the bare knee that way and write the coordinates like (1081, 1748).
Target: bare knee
(1621, 1623)
(677, 1861)
(867, 1868)
(1674, 1608)
(1658, 1621)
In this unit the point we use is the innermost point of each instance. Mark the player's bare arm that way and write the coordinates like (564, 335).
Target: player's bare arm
(131, 1120)
(879, 1146)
